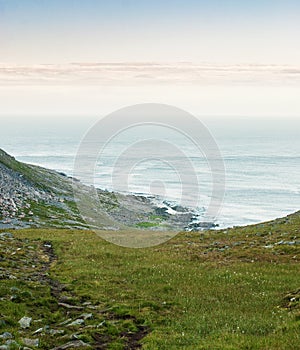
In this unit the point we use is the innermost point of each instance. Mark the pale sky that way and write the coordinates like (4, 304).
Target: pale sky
(90, 57)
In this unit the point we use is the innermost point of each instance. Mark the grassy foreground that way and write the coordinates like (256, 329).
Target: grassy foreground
(227, 289)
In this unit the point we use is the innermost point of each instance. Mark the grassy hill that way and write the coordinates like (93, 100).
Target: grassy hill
(229, 289)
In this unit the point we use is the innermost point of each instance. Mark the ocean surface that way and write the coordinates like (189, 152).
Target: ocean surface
(261, 158)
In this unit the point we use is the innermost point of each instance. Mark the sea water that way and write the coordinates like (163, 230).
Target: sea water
(261, 158)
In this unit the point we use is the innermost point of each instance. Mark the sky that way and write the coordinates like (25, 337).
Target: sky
(74, 57)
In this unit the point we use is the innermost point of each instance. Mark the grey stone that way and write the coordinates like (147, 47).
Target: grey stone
(3, 347)
(56, 331)
(40, 330)
(6, 335)
(74, 336)
(31, 342)
(25, 322)
(269, 246)
(5, 235)
(77, 322)
(65, 322)
(86, 316)
(101, 324)
(72, 344)
(280, 242)
(13, 343)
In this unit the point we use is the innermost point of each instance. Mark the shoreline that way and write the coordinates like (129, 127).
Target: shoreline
(33, 196)
(15, 184)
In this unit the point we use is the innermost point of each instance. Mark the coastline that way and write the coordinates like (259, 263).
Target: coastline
(32, 196)
(134, 210)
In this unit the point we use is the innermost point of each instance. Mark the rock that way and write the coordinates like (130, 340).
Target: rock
(25, 322)
(47, 245)
(72, 344)
(65, 322)
(6, 335)
(68, 306)
(6, 235)
(31, 342)
(199, 226)
(162, 212)
(236, 244)
(40, 330)
(12, 344)
(56, 331)
(86, 316)
(38, 321)
(101, 324)
(77, 322)
(269, 246)
(45, 329)
(3, 347)
(74, 336)
(280, 242)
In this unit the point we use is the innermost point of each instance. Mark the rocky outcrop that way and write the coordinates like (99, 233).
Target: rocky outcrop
(37, 197)
(33, 196)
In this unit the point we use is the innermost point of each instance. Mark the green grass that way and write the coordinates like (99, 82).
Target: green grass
(214, 290)
(155, 221)
(157, 217)
(146, 224)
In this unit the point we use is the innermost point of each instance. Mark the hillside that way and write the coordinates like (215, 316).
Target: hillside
(229, 289)
(32, 196)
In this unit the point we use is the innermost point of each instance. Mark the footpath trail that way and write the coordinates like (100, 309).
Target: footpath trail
(55, 318)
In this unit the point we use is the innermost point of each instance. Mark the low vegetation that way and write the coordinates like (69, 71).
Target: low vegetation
(227, 289)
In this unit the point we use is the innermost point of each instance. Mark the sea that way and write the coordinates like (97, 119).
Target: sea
(261, 158)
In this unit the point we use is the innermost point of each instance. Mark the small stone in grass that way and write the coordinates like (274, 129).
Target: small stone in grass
(77, 322)
(86, 316)
(6, 335)
(31, 342)
(25, 322)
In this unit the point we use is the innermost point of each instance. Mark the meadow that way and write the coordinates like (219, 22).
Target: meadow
(226, 289)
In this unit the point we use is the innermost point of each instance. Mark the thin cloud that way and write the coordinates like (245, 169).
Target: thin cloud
(144, 73)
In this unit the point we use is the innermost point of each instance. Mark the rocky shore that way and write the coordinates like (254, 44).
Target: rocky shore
(31, 196)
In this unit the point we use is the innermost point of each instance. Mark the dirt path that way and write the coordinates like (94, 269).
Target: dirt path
(25, 268)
